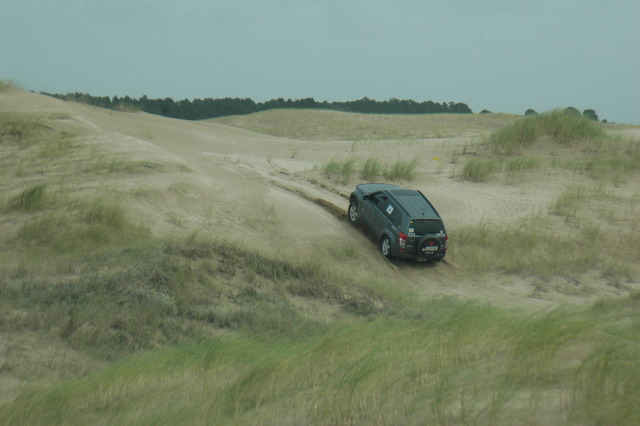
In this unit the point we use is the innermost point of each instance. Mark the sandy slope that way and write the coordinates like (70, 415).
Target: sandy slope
(262, 190)
(228, 178)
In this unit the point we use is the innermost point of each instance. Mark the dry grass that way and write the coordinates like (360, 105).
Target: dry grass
(371, 170)
(332, 125)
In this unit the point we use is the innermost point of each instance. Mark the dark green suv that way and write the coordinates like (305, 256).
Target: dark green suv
(403, 221)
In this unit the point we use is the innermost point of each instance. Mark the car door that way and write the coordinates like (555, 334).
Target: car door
(367, 211)
(378, 210)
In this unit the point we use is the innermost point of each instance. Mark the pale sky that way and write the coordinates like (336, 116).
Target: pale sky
(500, 55)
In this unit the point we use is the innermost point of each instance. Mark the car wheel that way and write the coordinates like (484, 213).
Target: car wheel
(385, 247)
(429, 246)
(352, 214)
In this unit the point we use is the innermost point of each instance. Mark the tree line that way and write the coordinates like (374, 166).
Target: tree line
(200, 109)
(587, 113)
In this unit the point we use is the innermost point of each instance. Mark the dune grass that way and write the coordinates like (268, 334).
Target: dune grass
(371, 169)
(614, 160)
(600, 156)
(477, 169)
(19, 128)
(562, 126)
(456, 363)
(586, 229)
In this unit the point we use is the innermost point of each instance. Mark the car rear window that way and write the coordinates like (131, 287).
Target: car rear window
(426, 226)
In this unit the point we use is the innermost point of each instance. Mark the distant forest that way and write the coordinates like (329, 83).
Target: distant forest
(200, 109)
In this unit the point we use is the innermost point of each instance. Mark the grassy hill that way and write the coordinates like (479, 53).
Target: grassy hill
(333, 125)
(114, 309)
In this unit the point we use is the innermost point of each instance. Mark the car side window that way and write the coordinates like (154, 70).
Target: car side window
(394, 214)
(379, 200)
(387, 207)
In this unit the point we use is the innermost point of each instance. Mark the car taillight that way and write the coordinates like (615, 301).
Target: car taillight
(446, 242)
(402, 241)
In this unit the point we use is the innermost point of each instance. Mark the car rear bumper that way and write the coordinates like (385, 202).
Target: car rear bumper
(401, 254)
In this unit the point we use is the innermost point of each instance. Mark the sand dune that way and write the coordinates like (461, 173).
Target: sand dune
(268, 193)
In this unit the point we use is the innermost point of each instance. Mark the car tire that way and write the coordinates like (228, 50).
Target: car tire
(385, 247)
(352, 213)
(429, 246)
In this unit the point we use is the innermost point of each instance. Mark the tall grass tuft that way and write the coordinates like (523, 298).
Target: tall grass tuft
(341, 171)
(402, 170)
(562, 126)
(568, 202)
(371, 169)
(19, 129)
(478, 169)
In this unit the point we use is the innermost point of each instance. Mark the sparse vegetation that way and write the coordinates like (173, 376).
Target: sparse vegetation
(371, 169)
(600, 156)
(562, 126)
(479, 170)
(534, 247)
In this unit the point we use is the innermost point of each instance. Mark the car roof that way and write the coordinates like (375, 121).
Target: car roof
(368, 188)
(414, 203)
(411, 200)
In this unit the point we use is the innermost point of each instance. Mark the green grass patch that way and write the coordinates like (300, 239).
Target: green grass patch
(570, 201)
(479, 170)
(79, 227)
(29, 200)
(562, 126)
(402, 170)
(341, 171)
(372, 168)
